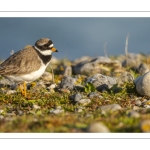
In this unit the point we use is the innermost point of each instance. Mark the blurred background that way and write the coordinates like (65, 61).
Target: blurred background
(76, 37)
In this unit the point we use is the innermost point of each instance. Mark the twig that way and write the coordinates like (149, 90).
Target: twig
(52, 74)
(126, 45)
(105, 51)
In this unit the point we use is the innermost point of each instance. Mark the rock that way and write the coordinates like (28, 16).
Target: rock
(47, 76)
(20, 112)
(98, 127)
(51, 87)
(132, 61)
(36, 106)
(133, 113)
(82, 59)
(37, 87)
(145, 125)
(68, 83)
(84, 102)
(125, 77)
(6, 82)
(143, 68)
(8, 92)
(96, 65)
(142, 84)
(94, 94)
(138, 103)
(67, 71)
(102, 82)
(64, 91)
(57, 110)
(77, 97)
(79, 109)
(136, 108)
(109, 108)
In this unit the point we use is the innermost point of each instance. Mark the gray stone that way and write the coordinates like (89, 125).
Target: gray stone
(47, 76)
(1, 111)
(84, 102)
(1, 117)
(67, 83)
(133, 113)
(82, 59)
(77, 97)
(132, 60)
(142, 84)
(138, 103)
(8, 92)
(94, 94)
(79, 109)
(36, 106)
(6, 82)
(102, 82)
(67, 71)
(109, 108)
(143, 68)
(125, 77)
(57, 110)
(98, 127)
(20, 112)
(93, 66)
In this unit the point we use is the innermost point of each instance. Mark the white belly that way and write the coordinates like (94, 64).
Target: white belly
(28, 77)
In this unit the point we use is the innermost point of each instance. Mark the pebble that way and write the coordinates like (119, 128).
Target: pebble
(20, 112)
(95, 65)
(94, 94)
(1, 111)
(68, 83)
(39, 85)
(79, 109)
(102, 82)
(133, 113)
(47, 76)
(64, 90)
(8, 92)
(124, 77)
(67, 71)
(143, 68)
(6, 82)
(77, 97)
(142, 84)
(109, 108)
(1, 117)
(52, 87)
(98, 127)
(145, 125)
(136, 108)
(138, 103)
(84, 102)
(57, 110)
(36, 106)
(132, 60)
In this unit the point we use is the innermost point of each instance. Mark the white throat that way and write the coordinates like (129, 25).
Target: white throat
(45, 52)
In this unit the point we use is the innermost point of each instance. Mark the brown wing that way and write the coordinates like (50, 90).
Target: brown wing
(21, 62)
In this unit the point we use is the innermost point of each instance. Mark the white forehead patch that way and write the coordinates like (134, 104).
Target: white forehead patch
(45, 52)
(51, 45)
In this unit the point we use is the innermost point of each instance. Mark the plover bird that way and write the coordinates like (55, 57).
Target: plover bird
(28, 64)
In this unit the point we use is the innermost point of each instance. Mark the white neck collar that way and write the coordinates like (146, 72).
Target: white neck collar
(45, 52)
